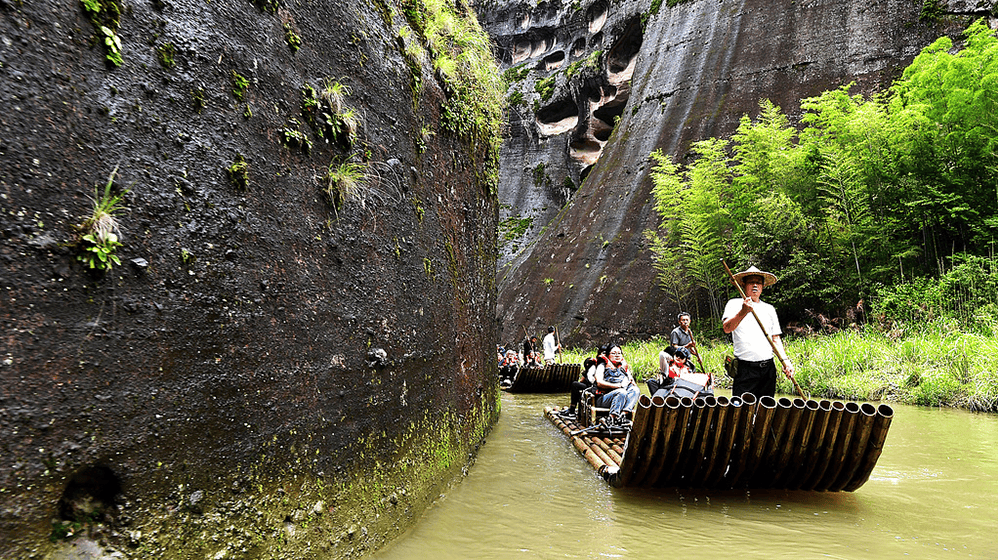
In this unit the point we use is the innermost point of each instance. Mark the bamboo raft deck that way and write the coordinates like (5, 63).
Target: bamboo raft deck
(717, 442)
(552, 378)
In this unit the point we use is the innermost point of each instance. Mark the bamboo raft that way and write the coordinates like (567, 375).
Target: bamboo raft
(552, 378)
(717, 442)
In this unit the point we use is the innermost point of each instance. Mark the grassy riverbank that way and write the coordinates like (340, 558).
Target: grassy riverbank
(934, 367)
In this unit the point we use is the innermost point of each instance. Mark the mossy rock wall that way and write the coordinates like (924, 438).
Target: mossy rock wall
(270, 371)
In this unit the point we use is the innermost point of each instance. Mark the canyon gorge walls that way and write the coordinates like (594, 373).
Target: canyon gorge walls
(596, 86)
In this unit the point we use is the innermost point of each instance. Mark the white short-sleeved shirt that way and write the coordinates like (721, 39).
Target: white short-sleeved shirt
(550, 347)
(749, 342)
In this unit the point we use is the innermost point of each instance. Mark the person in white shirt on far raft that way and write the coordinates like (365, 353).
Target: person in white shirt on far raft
(550, 346)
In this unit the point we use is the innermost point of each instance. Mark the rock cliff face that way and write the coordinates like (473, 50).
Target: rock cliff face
(596, 86)
(291, 357)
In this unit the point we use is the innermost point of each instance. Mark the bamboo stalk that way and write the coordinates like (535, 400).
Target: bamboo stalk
(864, 426)
(698, 469)
(874, 447)
(595, 460)
(769, 444)
(727, 439)
(638, 441)
(676, 437)
(637, 460)
(659, 439)
(599, 452)
(796, 437)
(616, 445)
(721, 416)
(808, 460)
(828, 446)
(680, 475)
(842, 443)
(743, 436)
(603, 449)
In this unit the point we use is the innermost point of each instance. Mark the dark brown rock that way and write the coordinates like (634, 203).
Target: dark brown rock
(230, 349)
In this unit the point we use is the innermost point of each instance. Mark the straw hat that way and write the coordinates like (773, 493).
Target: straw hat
(768, 279)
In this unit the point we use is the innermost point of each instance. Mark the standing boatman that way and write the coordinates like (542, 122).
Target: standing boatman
(682, 336)
(550, 346)
(756, 369)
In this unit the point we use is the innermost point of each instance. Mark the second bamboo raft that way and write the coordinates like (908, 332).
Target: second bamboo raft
(552, 378)
(785, 443)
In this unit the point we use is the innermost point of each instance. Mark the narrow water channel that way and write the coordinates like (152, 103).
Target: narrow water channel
(933, 494)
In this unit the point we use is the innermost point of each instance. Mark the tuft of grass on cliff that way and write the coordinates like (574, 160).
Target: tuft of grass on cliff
(464, 62)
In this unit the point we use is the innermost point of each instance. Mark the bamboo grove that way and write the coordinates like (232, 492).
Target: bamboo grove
(890, 199)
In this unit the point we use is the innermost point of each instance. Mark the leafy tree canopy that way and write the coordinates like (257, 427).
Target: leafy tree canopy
(869, 193)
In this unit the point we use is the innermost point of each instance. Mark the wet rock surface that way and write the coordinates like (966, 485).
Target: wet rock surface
(264, 369)
(597, 86)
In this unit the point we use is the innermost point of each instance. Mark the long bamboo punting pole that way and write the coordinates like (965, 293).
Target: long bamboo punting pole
(557, 339)
(769, 338)
(874, 447)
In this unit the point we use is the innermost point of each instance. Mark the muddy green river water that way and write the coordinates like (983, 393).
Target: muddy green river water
(933, 494)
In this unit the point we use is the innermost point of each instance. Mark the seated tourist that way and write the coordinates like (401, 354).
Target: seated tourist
(531, 356)
(656, 382)
(508, 368)
(620, 392)
(586, 379)
(683, 381)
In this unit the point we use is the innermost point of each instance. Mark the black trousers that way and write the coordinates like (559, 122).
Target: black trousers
(507, 373)
(758, 378)
(654, 384)
(577, 388)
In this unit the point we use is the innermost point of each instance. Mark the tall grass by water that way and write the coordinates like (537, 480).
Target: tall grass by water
(935, 366)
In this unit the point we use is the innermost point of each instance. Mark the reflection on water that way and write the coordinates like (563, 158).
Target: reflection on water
(530, 495)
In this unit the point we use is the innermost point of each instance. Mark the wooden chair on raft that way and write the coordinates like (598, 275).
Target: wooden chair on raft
(588, 413)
